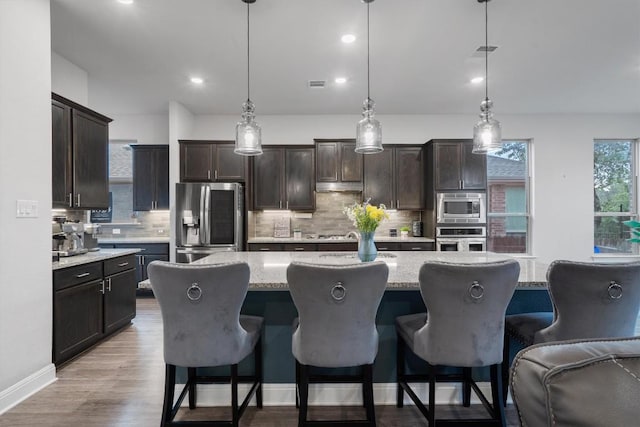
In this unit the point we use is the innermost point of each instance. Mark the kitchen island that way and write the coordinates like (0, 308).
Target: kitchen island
(269, 297)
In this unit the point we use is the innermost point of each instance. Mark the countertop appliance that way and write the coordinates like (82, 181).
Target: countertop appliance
(67, 238)
(209, 218)
(468, 208)
(461, 239)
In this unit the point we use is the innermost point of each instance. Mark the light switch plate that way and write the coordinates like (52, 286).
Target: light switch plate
(26, 209)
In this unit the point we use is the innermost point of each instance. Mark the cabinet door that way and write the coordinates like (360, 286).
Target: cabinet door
(409, 178)
(327, 165)
(148, 259)
(378, 178)
(351, 163)
(448, 168)
(61, 155)
(474, 169)
(119, 300)
(196, 162)
(161, 173)
(300, 178)
(77, 319)
(144, 182)
(229, 165)
(90, 161)
(268, 178)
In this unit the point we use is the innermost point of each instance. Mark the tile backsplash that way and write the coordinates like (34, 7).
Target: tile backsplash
(328, 218)
(141, 224)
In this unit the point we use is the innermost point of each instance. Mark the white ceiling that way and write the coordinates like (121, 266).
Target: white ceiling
(553, 56)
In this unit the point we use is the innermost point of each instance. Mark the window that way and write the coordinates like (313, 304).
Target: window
(121, 180)
(508, 198)
(614, 194)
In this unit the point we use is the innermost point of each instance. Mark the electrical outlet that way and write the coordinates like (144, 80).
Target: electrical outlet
(26, 209)
(116, 231)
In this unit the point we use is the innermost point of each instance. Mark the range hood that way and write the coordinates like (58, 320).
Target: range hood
(347, 187)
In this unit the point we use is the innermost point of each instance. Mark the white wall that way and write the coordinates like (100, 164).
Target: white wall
(181, 123)
(69, 80)
(143, 128)
(25, 139)
(562, 155)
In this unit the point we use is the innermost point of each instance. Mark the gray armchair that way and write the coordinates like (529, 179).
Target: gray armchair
(202, 327)
(337, 307)
(586, 383)
(463, 327)
(590, 300)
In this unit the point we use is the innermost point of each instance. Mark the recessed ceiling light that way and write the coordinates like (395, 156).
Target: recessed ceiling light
(477, 80)
(125, 1)
(197, 80)
(340, 80)
(348, 38)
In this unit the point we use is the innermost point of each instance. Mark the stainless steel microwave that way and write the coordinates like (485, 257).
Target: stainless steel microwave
(468, 208)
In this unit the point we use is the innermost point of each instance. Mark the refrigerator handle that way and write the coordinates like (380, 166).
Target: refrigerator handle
(203, 224)
(207, 214)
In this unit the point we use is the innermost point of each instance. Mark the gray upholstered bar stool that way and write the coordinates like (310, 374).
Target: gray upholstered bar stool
(337, 307)
(463, 327)
(590, 300)
(202, 327)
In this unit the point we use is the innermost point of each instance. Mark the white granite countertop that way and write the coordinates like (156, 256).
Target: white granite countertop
(268, 269)
(90, 257)
(322, 240)
(140, 240)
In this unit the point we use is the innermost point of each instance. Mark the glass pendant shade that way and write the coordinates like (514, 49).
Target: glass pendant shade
(368, 131)
(248, 133)
(487, 133)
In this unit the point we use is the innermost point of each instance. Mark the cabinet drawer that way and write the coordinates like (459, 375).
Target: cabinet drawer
(337, 247)
(388, 246)
(265, 247)
(422, 246)
(297, 247)
(116, 265)
(75, 275)
(146, 248)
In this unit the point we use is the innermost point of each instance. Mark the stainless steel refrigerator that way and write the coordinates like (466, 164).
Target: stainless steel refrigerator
(209, 218)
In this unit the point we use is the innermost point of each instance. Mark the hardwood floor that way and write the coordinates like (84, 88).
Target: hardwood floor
(120, 383)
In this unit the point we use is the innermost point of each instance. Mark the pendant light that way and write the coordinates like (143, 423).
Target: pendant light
(487, 133)
(368, 131)
(248, 132)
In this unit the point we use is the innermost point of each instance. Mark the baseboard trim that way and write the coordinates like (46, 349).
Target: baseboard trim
(23, 389)
(332, 394)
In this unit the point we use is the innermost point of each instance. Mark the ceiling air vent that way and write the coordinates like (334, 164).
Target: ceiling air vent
(482, 49)
(317, 84)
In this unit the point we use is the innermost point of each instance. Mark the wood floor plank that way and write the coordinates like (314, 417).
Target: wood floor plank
(119, 383)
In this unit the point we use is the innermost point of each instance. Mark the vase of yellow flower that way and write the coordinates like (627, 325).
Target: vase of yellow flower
(366, 218)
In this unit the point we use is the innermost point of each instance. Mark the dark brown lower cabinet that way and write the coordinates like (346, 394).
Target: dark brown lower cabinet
(77, 319)
(91, 301)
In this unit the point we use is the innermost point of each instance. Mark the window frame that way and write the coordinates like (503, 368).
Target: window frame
(527, 213)
(635, 196)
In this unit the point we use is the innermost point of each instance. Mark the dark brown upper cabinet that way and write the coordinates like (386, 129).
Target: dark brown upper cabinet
(150, 177)
(80, 162)
(211, 161)
(395, 177)
(338, 166)
(284, 178)
(455, 167)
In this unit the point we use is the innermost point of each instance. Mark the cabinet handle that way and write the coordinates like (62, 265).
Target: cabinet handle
(122, 264)
(70, 200)
(78, 197)
(416, 249)
(460, 185)
(102, 287)
(384, 249)
(208, 174)
(398, 204)
(109, 284)
(280, 204)
(287, 205)
(265, 249)
(81, 275)
(215, 174)
(298, 249)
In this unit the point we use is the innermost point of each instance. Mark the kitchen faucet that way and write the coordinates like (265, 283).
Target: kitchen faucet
(352, 234)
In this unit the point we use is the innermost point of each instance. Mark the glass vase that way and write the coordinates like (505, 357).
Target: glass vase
(367, 250)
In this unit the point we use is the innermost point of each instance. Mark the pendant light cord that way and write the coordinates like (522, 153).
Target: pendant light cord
(486, 49)
(248, 97)
(368, 76)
